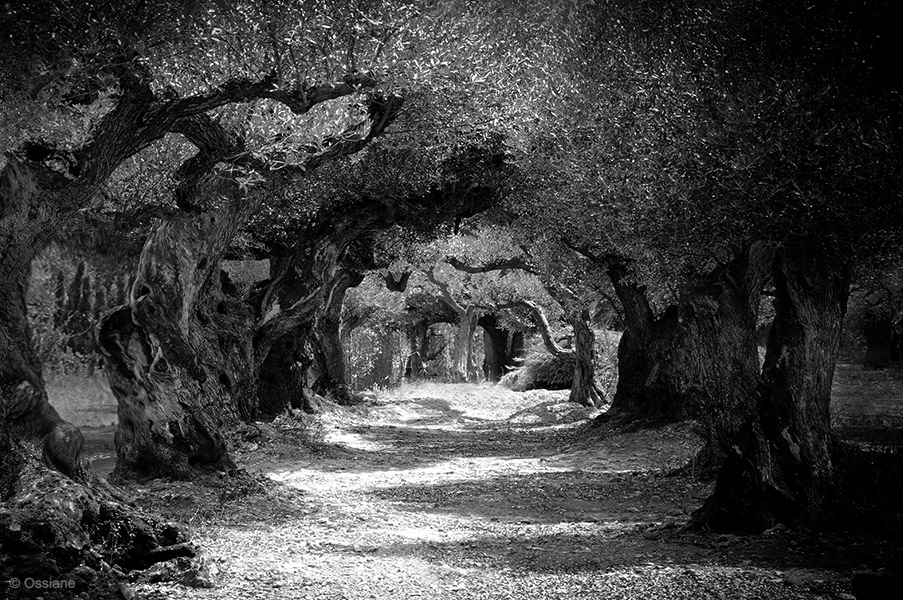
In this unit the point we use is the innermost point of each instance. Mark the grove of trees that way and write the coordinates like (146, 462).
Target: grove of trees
(674, 170)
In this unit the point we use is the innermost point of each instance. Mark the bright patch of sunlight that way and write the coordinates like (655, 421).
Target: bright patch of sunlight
(354, 440)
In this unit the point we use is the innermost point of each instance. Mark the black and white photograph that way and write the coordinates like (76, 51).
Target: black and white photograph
(451, 300)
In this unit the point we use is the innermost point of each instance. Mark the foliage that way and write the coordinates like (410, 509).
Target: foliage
(699, 126)
(66, 295)
(376, 358)
(372, 304)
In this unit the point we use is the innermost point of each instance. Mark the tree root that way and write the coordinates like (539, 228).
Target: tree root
(84, 535)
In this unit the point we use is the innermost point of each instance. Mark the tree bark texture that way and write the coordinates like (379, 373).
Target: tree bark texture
(584, 390)
(463, 363)
(55, 515)
(698, 360)
(333, 378)
(179, 355)
(781, 469)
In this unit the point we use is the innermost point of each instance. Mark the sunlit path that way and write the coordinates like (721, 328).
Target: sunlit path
(460, 492)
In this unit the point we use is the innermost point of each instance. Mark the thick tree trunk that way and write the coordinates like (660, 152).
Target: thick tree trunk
(698, 360)
(179, 357)
(54, 514)
(284, 342)
(782, 469)
(333, 378)
(584, 390)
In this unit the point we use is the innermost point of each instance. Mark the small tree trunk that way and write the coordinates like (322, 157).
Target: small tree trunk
(334, 379)
(463, 368)
(516, 350)
(503, 349)
(584, 390)
(783, 470)
(384, 364)
(420, 347)
(879, 341)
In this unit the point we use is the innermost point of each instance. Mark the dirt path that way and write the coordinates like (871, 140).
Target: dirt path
(477, 492)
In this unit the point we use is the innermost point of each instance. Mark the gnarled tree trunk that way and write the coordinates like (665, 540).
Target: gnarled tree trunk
(782, 470)
(333, 377)
(698, 360)
(179, 355)
(54, 514)
(463, 364)
(182, 356)
(305, 283)
(584, 389)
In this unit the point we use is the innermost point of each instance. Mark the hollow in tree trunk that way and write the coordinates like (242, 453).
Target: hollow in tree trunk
(782, 470)
(284, 380)
(55, 515)
(497, 345)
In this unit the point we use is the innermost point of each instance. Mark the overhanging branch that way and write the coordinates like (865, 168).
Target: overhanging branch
(298, 100)
(501, 264)
(542, 321)
(446, 293)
